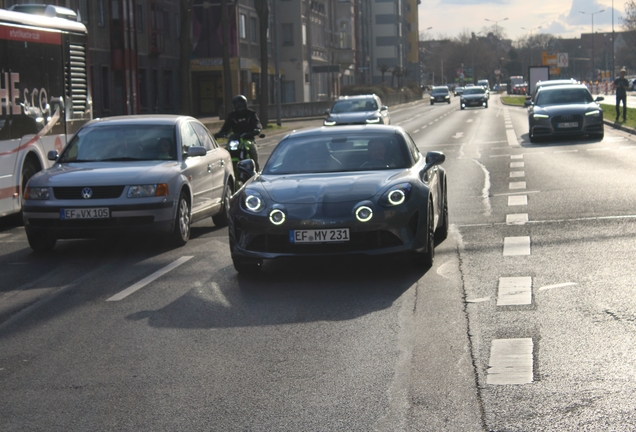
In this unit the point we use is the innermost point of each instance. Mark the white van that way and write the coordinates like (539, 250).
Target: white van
(484, 83)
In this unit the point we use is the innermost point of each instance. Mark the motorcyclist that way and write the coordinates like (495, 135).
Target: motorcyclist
(245, 123)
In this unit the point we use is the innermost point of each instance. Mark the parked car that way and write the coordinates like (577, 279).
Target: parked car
(440, 94)
(564, 110)
(353, 190)
(130, 174)
(359, 109)
(474, 97)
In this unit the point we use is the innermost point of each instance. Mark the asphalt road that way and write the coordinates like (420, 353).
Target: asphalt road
(524, 323)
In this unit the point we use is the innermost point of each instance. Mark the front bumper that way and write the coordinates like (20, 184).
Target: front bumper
(550, 126)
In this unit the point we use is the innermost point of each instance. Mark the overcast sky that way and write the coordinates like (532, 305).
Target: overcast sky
(449, 18)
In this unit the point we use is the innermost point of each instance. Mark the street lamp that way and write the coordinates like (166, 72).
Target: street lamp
(531, 30)
(592, 14)
(497, 36)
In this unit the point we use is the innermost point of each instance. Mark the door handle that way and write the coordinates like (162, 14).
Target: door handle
(209, 168)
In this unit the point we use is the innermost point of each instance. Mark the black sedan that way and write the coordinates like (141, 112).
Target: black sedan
(364, 190)
(565, 110)
(440, 94)
(476, 96)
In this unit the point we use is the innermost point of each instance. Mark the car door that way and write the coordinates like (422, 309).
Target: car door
(195, 168)
(216, 164)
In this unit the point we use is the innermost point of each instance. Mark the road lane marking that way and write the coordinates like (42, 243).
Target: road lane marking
(517, 174)
(517, 185)
(485, 192)
(416, 131)
(565, 151)
(547, 287)
(517, 219)
(517, 164)
(516, 193)
(518, 200)
(514, 291)
(514, 246)
(516, 156)
(478, 300)
(145, 281)
(511, 136)
(510, 362)
(458, 135)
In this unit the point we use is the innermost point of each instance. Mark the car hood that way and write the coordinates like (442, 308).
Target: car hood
(473, 96)
(572, 109)
(353, 117)
(327, 187)
(103, 173)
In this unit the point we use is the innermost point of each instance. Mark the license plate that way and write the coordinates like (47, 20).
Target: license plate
(568, 125)
(85, 213)
(319, 235)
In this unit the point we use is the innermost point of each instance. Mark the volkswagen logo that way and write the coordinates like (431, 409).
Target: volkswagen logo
(87, 193)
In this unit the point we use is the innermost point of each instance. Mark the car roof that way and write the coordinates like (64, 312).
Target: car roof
(346, 130)
(365, 96)
(563, 87)
(151, 119)
(556, 82)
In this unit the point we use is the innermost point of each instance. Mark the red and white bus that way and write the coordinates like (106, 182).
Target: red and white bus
(44, 93)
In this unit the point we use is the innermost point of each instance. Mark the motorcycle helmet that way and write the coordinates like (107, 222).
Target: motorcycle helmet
(239, 102)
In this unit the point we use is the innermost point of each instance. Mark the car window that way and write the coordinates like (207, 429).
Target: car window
(415, 153)
(474, 90)
(204, 136)
(356, 152)
(564, 96)
(117, 142)
(189, 137)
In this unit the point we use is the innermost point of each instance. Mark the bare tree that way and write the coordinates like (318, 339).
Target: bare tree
(262, 10)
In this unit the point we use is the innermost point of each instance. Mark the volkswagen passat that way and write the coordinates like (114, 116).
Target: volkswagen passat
(129, 174)
(565, 110)
(476, 96)
(440, 94)
(362, 190)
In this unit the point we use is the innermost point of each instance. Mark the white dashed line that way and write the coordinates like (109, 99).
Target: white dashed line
(517, 174)
(517, 164)
(517, 219)
(517, 185)
(514, 246)
(516, 156)
(518, 200)
(514, 291)
(510, 362)
(145, 281)
(567, 284)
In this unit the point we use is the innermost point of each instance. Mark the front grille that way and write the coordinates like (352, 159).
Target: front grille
(359, 242)
(99, 192)
(567, 119)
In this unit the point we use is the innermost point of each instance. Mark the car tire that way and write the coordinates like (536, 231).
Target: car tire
(28, 170)
(181, 231)
(449, 102)
(486, 106)
(441, 233)
(247, 266)
(41, 243)
(432, 103)
(427, 258)
(461, 107)
(221, 218)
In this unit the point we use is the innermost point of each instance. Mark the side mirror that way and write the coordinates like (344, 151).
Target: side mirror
(599, 98)
(246, 168)
(433, 158)
(57, 103)
(327, 111)
(195, 151)
(384, 108)
(52, 155)
(528, 102)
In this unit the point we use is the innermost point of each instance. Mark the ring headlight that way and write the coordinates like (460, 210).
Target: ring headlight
(277, 217)
(364, 214)
(253, 201)
(397, 197)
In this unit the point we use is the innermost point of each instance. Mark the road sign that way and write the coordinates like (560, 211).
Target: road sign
(562, 60)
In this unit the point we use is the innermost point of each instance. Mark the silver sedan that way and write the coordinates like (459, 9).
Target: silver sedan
(130, 174)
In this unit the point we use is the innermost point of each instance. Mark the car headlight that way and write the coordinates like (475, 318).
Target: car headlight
(447, 97)
(432, 97)
(364, 213)
(594, 113)
(329, 123)
(373, 120)
(277, 217)
(145, 191)
(37, 193)
(540, 116)
(396, 195)
(253, 201)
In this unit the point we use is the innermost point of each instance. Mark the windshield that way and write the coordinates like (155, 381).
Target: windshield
(321, 154)
(550, 96)
(360, 105)
(440, 90)
(121, 143)
(474, 90)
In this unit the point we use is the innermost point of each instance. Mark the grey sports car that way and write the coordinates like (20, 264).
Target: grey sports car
(565, 110)
(130, 174)
(363, 190)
